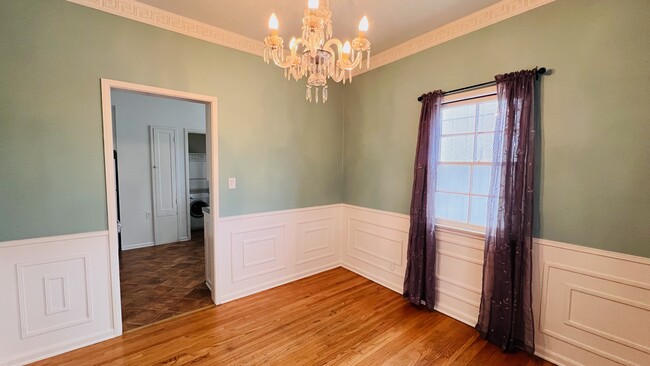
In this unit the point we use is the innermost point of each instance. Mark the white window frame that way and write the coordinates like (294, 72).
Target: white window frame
(468, 97)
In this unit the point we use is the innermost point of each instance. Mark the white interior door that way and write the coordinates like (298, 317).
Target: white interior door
(163, 172)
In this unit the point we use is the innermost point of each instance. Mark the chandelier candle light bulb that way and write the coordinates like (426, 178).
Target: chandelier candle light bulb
(363, 27)
(346, 51)
(316, 55)
(274, 24)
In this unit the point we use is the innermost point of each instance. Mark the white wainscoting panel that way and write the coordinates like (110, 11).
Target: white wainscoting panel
(459, 274)
(593, 306)
(56, 295)
(260, 251)
(374, 245)
(317, 239)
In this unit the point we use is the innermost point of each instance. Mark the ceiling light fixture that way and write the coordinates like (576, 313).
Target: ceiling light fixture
(317, 55)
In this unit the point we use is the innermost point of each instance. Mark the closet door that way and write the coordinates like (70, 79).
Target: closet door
(163, 172)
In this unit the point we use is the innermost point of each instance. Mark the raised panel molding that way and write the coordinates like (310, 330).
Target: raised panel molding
(247, 244)
(618, 310)
(51, 305)
(382, 248)
(147, 14)
(38, 311)
(57, 295)
(639, 311)
(257, 251)
(316, 239)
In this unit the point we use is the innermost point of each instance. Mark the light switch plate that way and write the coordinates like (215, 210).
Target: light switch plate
(232, 183)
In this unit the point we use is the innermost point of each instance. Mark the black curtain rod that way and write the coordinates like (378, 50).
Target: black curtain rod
(540, 71)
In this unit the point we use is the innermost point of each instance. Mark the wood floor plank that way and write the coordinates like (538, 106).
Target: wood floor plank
(333, 318)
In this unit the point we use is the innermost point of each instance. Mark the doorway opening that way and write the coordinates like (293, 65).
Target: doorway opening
(160, 151)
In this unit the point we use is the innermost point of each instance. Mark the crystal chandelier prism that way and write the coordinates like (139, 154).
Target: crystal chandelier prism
(317, 56)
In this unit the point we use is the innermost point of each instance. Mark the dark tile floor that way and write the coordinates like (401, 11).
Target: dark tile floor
(163, 281)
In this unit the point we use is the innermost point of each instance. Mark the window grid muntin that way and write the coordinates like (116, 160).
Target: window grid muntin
(474, 163)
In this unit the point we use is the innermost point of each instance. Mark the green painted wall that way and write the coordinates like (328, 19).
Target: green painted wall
(284, 152)
(594, 163)
(594, 154)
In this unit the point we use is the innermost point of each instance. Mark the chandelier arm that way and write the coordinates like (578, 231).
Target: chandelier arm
(339, 75)
(335, 42)
(340, 63)
(288, 61)
(348, 65)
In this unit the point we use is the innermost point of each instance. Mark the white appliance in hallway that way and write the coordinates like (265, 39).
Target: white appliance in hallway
(198, 200)
(199, 188)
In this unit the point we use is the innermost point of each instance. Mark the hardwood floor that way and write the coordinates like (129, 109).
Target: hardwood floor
(332, 318)
(163, 281)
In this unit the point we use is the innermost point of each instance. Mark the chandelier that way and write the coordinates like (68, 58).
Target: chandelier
(317, 55)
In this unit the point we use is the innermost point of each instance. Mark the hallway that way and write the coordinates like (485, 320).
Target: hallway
(163, 281)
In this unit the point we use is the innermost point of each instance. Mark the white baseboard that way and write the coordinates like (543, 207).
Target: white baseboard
(555, 358)
(57, 295)
(275, 282)
(60, 348)
(137, 246)
(373, 277)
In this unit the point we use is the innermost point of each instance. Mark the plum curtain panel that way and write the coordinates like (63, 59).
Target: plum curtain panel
(419, 281)
(506, 316)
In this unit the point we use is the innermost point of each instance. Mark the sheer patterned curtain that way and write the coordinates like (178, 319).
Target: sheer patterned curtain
(506, 315)
(419, 281)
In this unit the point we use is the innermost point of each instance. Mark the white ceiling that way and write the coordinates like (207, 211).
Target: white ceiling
(391, 21)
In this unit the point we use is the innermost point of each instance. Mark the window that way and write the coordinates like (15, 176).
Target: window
(465, 159)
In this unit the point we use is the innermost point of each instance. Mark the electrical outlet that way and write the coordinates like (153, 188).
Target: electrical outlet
(232, 183)
(147, 214)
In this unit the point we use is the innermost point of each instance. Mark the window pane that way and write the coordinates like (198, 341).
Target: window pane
(479, 211)
(453, 178)
(457, 148)
(451, 206)
(458, 119)
(484, 147)
(487, 116)
(481, 179)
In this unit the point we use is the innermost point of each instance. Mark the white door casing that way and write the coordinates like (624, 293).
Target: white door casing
(213, 172)
(163, 173)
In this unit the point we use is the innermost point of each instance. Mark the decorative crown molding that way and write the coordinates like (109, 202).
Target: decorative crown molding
(485, 17)
(147, 14)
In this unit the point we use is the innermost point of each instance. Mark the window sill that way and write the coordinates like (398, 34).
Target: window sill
(463, 231)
